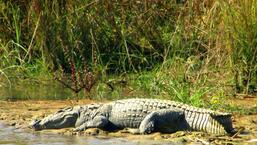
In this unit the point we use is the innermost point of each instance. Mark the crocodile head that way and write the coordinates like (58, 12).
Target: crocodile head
(61, 119)
(64, 118)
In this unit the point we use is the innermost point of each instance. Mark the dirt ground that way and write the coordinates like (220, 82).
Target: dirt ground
(21, 113)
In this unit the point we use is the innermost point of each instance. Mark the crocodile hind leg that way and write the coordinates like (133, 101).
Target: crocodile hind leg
(165, 120)
(96, 122)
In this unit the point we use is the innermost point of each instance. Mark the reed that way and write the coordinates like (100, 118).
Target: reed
(191, 50)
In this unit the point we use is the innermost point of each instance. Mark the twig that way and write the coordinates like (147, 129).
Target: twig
(238, 132)
(76, 90)
(203, 141)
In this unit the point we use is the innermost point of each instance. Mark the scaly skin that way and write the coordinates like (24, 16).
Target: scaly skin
(64, 118)
(148, 115)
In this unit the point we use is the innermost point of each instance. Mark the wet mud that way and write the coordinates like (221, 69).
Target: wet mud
(20, 113)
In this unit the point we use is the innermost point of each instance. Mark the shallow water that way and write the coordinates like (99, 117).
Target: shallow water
(29, 89)
(11, 136)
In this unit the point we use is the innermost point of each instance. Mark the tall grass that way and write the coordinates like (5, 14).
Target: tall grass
(241, 26)
(192, 51)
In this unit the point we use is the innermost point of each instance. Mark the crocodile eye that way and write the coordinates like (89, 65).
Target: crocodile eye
(59, 111)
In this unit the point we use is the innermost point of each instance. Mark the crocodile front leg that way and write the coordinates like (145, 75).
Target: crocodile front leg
(165, 120)
(97, 122)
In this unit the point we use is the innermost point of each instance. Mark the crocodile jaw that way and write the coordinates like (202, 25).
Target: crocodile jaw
(35, 124)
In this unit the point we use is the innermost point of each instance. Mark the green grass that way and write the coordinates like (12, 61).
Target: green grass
(199, 53)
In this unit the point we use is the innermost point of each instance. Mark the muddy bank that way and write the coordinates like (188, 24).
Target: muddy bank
(20, 113)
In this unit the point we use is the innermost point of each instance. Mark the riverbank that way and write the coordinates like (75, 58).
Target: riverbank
(20, 113)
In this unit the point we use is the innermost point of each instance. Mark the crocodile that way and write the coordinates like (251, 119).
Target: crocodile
(142, 115)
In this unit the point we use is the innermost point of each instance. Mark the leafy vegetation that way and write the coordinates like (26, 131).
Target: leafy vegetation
(198, 52)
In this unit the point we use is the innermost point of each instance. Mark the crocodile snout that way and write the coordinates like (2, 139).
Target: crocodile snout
(35, 124)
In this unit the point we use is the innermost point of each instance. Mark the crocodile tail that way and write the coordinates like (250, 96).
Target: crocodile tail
(221, 124)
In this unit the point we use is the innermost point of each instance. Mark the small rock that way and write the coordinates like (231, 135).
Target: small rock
(252, 140)
(92, 131)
